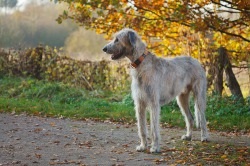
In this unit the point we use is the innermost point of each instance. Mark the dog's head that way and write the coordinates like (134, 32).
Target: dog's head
(123, 44)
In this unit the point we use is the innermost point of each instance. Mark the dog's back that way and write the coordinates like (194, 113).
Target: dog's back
(168, 76)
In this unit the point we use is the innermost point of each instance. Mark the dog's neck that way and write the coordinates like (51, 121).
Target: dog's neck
(139, 60)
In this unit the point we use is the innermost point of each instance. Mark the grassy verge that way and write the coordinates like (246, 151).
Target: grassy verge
(59, 100)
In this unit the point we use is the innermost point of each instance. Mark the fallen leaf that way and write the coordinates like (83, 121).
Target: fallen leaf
(159, 160)
(125, 145)
(67, 144)
(223, 156)
(53, 159)
(52, 124)
(87, 143)
(56, 142)
(180, 161)
(208, 159)
(38, 155)
(37, 130)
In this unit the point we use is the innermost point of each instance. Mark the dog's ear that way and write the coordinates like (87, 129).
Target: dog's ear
(132, 38)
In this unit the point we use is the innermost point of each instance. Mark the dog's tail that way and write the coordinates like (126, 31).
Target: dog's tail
(200, 106)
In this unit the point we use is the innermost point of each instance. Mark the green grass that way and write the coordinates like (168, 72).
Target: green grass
(55, 99)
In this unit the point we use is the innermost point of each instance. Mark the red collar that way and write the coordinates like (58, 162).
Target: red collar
(138, 61)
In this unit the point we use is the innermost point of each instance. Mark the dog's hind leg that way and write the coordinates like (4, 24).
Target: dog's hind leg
(183, 102)
(200, 108)
(140, 108)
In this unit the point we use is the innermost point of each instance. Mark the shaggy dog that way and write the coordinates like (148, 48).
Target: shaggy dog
(157, 81)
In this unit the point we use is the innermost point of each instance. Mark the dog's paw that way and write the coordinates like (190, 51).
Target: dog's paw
(155, 149)
(204, 139)
(141, 148)
(187, 138)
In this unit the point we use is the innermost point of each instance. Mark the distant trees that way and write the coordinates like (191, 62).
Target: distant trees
(83, 44)
(35, 25)
(8, 3)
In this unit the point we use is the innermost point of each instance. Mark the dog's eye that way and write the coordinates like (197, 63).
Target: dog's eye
(116, 40)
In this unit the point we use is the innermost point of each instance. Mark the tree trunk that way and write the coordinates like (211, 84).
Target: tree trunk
(37, 62)
(218, 80)
(230, 77)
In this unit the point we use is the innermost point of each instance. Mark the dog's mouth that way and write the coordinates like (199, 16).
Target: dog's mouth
(116, 56)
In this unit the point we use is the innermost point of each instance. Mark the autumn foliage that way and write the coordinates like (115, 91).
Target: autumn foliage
(191, 27)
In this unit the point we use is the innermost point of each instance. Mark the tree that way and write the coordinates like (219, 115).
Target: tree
(35, 25)
(223, 63)
(8, 3)
(191, 27)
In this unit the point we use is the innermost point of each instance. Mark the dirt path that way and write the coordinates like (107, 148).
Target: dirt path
(27, 140)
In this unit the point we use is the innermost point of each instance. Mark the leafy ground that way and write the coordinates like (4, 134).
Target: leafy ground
(32, 140)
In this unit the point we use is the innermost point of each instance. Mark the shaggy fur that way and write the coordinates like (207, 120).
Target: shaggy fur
(157, 81)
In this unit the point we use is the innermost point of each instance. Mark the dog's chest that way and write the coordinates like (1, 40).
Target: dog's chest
(137, 79)
(141, 82)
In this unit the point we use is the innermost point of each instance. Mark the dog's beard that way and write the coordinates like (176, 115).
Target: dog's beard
(119, 54)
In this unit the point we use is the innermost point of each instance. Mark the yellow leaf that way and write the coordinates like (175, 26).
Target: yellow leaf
(223, 156)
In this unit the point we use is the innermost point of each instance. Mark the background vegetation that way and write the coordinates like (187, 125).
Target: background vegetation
(55, 99)
(39, 81)
(46, 63)
(46, 81)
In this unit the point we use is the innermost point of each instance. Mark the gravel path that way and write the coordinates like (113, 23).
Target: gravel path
(29, 140)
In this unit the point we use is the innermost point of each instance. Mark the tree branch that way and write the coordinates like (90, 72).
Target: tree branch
(228, 33)
(188, 25)
(241, 67)
(232, 4)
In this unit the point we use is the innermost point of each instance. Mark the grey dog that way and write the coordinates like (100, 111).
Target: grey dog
(156, 81)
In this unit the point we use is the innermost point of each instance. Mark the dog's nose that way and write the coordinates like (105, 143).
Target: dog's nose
(105, 49)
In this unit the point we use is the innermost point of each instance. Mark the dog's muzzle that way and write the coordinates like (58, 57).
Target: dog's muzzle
(114, 56)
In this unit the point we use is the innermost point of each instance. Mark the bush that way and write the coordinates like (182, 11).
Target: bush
(227, 105)
(46, 63)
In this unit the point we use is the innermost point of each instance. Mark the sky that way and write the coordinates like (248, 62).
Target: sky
(21, 5)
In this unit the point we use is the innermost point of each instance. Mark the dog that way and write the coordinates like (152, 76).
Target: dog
(157, 81)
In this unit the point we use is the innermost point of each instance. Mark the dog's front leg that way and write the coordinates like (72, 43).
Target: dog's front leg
(142, 126)
(155, 125)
